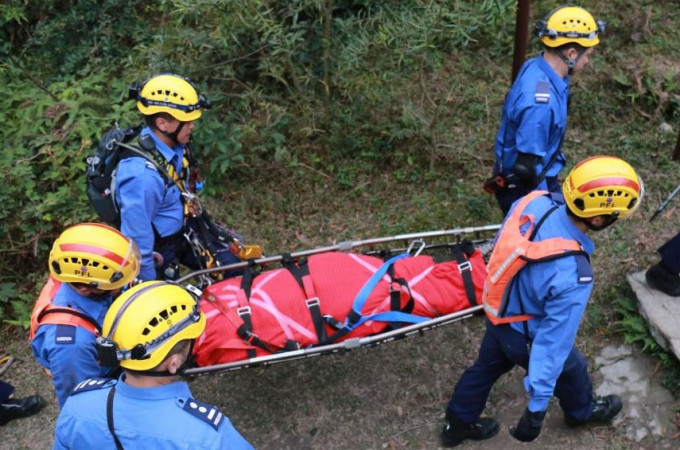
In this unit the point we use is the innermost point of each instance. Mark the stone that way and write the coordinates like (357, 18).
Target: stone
(661, 312)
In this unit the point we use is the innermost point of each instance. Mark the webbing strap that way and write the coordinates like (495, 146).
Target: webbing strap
(247, 282)
(395, 296)
(95, 327)
(246, 330)
(300, 272)
(465, 269)
(355, 313)
(392, 316)
(525, 323)
(109, 418)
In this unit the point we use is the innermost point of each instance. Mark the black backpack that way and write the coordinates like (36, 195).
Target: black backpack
(115, 145)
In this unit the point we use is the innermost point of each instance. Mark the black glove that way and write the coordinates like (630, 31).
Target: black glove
(524, 169)
(529, 426)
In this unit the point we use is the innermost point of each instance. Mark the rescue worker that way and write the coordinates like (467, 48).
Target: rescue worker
(664, 276)
(528, 145)
(152, 208)
(89, 264)
(538, 310)
(149, 331)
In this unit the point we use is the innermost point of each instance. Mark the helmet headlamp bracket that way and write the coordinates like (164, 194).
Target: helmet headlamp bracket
(107, 352)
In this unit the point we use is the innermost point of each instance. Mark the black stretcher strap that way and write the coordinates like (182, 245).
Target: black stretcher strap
(395, 296)
(461, 253)
(246, 329)
(300, 270)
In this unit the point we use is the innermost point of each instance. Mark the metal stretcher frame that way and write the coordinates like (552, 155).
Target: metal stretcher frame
(471, 233)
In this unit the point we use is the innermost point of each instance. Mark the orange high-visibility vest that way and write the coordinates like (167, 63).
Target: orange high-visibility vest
(512, 251)
(44, 312)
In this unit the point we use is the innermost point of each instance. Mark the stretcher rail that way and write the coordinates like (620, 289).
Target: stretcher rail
(344, 346)
(346, 246)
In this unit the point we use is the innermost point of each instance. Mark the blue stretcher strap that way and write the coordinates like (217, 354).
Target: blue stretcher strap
(393, 316)
(366, 290)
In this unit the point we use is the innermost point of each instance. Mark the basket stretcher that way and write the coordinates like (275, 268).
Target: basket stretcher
(394, 250)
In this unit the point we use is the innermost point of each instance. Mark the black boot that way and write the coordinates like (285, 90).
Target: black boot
(22, 407)
(456, 432)
(659, 277)
(604, 410)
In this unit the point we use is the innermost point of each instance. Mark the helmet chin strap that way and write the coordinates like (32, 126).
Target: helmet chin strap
(571, 63)
(173, 136)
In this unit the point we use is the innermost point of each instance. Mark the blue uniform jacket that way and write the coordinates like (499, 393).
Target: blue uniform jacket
(534, 119)
(68, 351)
(554, 294)
(163, 417)
(145, 203)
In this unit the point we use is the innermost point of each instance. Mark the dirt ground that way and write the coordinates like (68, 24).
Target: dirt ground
(389, 397)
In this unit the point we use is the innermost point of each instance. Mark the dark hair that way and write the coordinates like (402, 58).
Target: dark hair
(578, 47)
(151, 119)
(178, 348)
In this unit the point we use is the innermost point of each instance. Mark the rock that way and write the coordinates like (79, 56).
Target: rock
(661, 312)
(666, 127)
(649, 408)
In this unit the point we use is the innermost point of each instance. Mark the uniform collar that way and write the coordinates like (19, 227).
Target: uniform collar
(168, 152)
(575, 232)
(561, 84)
(167, 391)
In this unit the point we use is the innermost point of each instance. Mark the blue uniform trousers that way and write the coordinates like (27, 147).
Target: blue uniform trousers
(670, 254)
(6, 390)
(502, 348)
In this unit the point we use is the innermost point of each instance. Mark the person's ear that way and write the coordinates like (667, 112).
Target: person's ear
(571, 53)
(162, 124)
(597, 221)
(174, 362)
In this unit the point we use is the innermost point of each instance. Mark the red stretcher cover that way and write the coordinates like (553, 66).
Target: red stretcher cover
(278, 307)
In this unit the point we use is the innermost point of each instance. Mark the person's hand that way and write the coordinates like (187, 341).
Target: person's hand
(158, 259)
(529, 426)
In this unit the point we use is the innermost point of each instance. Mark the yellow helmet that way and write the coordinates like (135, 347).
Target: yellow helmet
(145, 322)
(96, 255)
(570, 24)
(169, 93)
(603, 185)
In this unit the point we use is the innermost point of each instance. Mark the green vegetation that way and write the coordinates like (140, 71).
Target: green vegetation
(334, 119)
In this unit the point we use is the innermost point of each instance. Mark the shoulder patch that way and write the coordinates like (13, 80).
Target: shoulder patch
(542, 94)
(65, 334)
(150, 165)
(583, 269)
(207, 413)
(93, 384)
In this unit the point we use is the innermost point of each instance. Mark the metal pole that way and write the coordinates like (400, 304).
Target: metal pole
(521, 26)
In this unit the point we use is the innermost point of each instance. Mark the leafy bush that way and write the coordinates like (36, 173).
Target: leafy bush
(335, 86)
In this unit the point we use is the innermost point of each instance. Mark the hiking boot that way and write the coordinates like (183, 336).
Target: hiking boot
(456, 432)
(659, 277)
(604, 410)
(22, 407)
